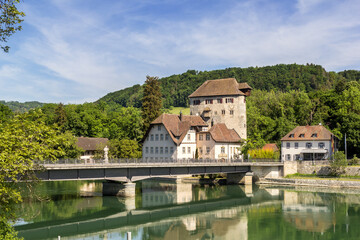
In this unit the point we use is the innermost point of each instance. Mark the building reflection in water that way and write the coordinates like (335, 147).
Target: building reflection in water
(307, 212)
(161, 193)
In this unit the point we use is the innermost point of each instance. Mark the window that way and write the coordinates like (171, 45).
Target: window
(200, 137)
(183, 150)
(159, 128)
(167, 136)
(207, 150)
(219, 100)
(171, 149)
(296, 145)
(156, 150)
(166, 150)
(230, 100)
(321, 145)
(288, 157)
(209, 101)
(188, 137)
(308, 145)
(161, 137)
(288, 145)
(200, 150)
(207, 137)
(189, 150)
(156, 137)
(152, 137)
(291, 135)
(222, 149)
(314, 135)
(196, 102)
(297, 156)
(161, 150)
(231, 112)
(147, 150)
(302, 135)
(151, 150)
(223, 112)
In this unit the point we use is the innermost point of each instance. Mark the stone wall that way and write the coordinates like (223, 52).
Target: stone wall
(317, 167)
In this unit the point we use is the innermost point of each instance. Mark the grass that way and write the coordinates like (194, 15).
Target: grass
(317, 177)
(176, 110)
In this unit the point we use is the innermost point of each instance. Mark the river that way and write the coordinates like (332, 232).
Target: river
(177, 211)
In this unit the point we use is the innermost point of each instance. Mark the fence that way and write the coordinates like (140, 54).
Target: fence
(148, 161)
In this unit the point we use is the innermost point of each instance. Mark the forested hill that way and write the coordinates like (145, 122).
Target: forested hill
(283, 77)
(19, 107)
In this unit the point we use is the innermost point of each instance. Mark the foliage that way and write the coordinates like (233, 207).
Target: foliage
(151, 101)
(338, 165)
(19, 107)
(5, 113)
(263, 153)
(23, 139)
(124, 148)
(10, 19)
(354, 161)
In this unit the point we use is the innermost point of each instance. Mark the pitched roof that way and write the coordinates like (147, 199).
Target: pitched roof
(218, 87)
(244, 85)
(88, 143)
(307, 133)
(270, 146)
(220, 133)
(177, 128)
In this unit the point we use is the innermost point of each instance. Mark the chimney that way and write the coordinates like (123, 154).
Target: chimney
(180, 116)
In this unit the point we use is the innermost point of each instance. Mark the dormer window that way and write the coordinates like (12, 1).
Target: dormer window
(314, 135)
(302, 135)
(291, 135)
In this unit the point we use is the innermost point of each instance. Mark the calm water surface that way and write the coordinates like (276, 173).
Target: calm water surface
(174, 211)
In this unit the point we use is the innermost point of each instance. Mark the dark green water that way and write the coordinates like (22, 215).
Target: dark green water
(165, 210)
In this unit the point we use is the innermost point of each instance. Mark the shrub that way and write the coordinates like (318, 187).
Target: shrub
(337, 166)
(354, 161)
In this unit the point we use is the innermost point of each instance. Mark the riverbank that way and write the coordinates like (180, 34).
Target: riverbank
(337, 183)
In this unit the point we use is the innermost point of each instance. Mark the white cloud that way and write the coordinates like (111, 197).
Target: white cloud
(88, 52)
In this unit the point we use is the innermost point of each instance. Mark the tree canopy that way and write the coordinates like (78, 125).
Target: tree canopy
(10, 19)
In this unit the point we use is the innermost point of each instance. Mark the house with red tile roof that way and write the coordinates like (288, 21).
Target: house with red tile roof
(308, 143)
(90, 146)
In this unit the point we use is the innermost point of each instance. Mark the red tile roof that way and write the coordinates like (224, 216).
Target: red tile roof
(177, 128)
(220, 133)
(91, 144)
(307, 133)
(218, 87)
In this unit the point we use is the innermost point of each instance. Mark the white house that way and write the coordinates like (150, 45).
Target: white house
(172, 136)
(219, 143)
(308, 143)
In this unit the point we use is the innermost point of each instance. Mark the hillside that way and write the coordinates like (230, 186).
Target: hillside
(283, 77)
(19, 107)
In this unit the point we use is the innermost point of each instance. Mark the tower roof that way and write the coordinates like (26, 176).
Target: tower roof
(220, 87)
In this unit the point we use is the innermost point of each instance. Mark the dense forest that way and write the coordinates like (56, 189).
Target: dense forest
(282, 77)
(19, 107)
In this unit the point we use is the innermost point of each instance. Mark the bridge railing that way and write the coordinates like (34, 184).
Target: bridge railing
(145, 161)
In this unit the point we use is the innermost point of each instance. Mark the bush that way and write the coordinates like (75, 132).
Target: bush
(338, 165)
(354, 161)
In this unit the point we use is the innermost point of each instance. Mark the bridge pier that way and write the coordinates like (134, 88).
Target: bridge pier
(239, 178)
(112, 188)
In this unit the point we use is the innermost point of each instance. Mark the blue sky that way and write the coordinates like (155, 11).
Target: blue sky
(72, 51)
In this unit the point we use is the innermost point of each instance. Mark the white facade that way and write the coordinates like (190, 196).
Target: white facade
(187, 148)
(158, 144)
(305, 150)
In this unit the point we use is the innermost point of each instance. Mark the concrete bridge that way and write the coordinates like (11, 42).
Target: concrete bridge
(129, 171)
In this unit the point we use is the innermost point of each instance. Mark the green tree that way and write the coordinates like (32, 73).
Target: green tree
(151, 101)
(124, 148)
(338, 164)
(10, 19)
(5, 113)
(24, 139)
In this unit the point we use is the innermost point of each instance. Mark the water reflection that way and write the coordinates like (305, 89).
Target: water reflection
(168, 210)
